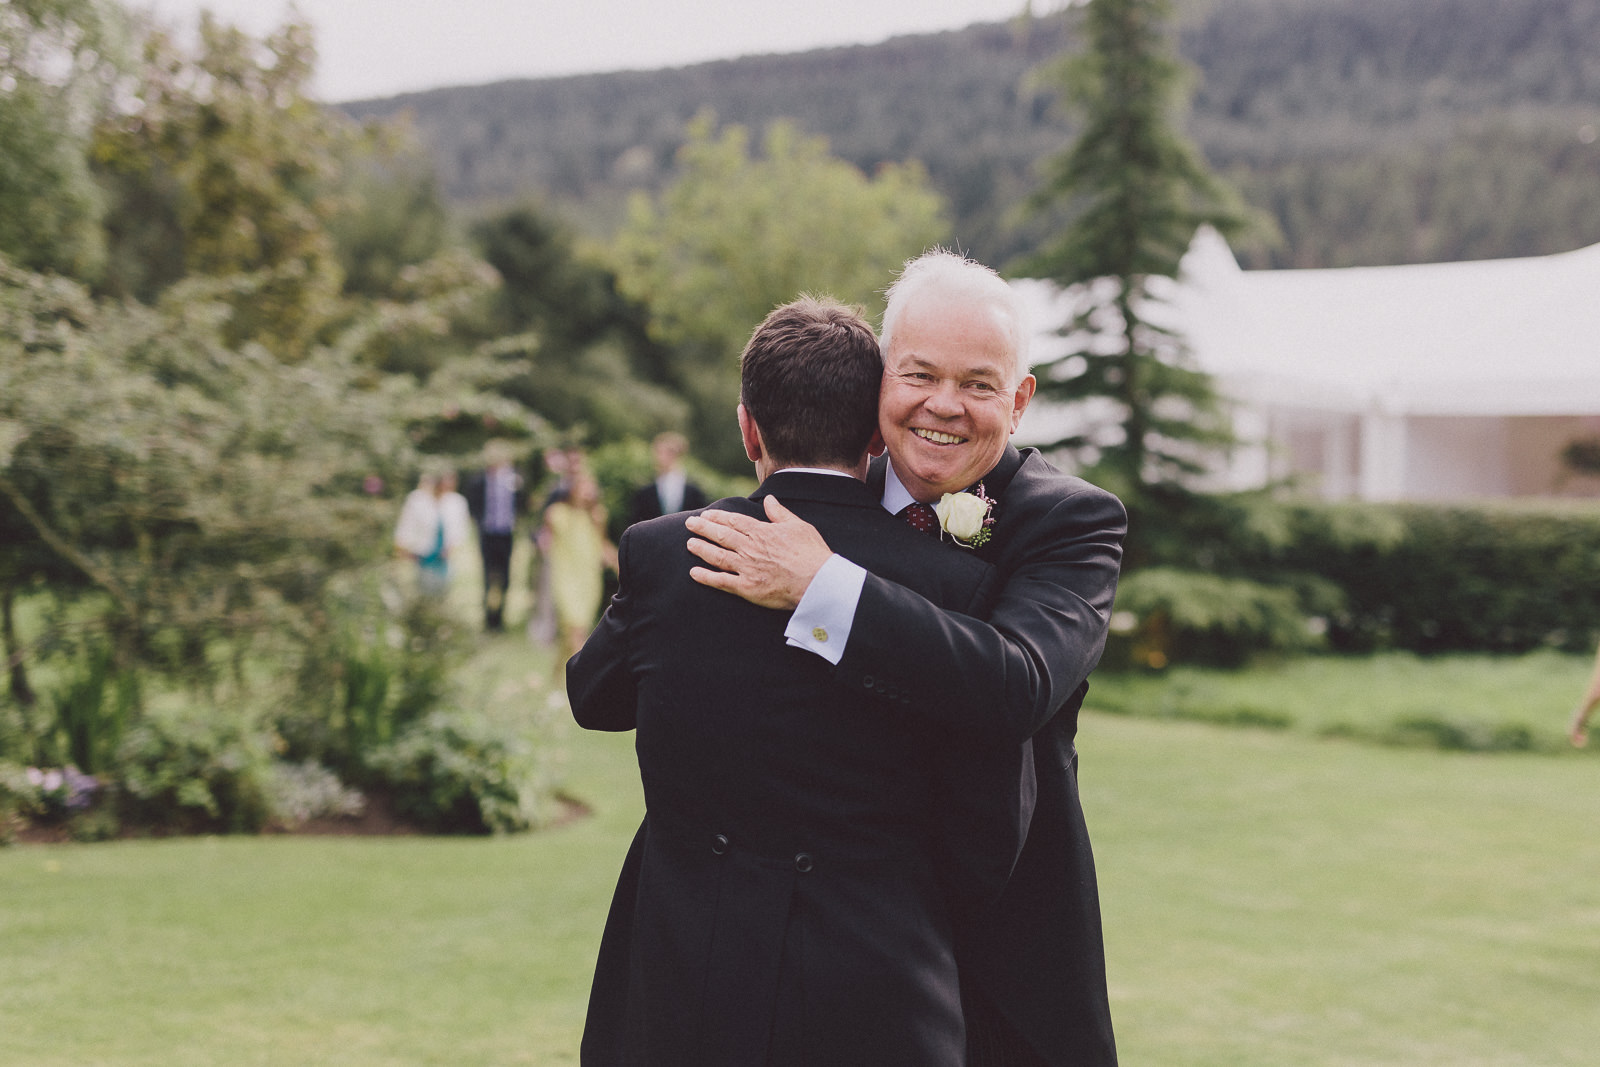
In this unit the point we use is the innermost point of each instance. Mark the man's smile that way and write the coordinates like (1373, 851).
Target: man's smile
(938, 437)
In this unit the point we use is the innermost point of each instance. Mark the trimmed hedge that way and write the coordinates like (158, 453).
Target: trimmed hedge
(1493, 577)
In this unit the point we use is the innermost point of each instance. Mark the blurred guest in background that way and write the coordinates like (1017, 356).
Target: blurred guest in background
(560, 462)
(433, 525)
(671, 491)
(495, 499)
(573, 541)
(1586, 706)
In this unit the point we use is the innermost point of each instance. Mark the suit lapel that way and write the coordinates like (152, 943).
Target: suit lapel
(995, 484)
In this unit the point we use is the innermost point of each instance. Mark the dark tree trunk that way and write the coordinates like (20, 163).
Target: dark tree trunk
(21, 691)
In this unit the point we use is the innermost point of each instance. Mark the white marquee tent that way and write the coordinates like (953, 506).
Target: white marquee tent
(1428, 382)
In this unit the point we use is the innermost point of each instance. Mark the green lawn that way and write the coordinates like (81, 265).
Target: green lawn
(1271, 898)
(314, 950)
(1451, 701)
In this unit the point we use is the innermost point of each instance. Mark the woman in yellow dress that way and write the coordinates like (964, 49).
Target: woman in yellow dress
(575, 541)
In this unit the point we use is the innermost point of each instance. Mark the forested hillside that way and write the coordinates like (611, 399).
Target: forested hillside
(1370, 131)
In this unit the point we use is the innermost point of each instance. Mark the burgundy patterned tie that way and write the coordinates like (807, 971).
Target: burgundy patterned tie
(922, 517)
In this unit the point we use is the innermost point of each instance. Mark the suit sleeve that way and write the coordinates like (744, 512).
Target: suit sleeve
(1005, 676)
(601, 686)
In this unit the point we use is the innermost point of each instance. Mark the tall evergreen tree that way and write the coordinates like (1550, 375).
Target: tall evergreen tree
(1128, 196)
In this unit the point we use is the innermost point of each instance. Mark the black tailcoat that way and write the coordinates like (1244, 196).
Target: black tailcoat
(792, 895)
(1056, 544)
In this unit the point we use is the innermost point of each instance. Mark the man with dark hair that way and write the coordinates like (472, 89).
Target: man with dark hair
(670, 490)
(955, 385)
(791, 896)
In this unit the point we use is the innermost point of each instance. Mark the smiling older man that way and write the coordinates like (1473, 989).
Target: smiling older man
(955, 385)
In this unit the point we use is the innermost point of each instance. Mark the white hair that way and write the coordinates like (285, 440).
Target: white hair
(954, 275)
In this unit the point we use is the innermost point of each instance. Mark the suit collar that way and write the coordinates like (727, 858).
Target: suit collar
(995, 482)
(790, 485)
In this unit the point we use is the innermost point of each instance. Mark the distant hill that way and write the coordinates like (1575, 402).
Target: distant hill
(1371, 131)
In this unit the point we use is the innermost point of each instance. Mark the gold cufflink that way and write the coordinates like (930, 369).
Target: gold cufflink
(820, 634)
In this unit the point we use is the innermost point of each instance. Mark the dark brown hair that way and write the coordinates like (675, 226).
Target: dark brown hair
(809, 378)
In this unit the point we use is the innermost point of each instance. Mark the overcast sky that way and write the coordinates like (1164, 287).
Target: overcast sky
(373, 48)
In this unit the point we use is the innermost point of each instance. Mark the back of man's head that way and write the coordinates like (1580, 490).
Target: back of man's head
(809, 380)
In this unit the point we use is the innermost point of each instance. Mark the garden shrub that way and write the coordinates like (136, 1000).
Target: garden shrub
(92, 711)
(452, 772)
(1502, 577)
(299, 792)
(197, 770)
(1471, 579)
(380, 669)
(1168, 615)
(19, 798)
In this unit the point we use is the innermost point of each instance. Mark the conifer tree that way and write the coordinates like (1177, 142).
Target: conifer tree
(1128, 196)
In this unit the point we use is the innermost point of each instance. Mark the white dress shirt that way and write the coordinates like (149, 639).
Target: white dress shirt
(822, 620)
(669, 490)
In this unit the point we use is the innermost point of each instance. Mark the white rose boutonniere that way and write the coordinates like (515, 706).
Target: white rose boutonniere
(965, 516)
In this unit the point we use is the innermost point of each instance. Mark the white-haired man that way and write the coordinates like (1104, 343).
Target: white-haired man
(955, 385)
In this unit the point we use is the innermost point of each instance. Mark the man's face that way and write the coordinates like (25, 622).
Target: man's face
(665, 455)
(950, 398)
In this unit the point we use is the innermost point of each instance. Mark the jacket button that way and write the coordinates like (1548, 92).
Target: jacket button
(803, 862)
(719, 844)
(868, 681)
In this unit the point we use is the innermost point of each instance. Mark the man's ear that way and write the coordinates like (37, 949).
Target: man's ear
(1019, 400)
(876, 446)
(752, 436)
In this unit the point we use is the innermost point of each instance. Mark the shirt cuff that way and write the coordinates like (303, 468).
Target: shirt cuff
(821, 621)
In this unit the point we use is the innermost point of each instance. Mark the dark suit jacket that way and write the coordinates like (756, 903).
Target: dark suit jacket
(790, 897)
(645, 504)
(1057, 547)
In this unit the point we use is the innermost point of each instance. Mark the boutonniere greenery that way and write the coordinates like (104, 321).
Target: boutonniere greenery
(966, 517)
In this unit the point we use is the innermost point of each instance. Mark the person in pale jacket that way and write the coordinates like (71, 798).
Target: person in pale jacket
(434, 524)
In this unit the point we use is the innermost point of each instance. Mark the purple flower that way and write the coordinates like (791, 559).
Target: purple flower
(81, 788)
(64, 788)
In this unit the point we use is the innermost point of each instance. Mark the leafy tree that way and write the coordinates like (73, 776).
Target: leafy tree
(58, 59)
(592, 367)
(737, 234)
(389, 215)
(1130, 193)
(202, 493)
(225, 166)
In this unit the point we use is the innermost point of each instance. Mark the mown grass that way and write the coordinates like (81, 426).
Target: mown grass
(300, 950)
(1459, 702)
(1271, 898)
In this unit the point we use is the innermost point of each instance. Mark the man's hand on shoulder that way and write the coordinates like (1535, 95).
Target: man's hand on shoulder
(770, 564)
